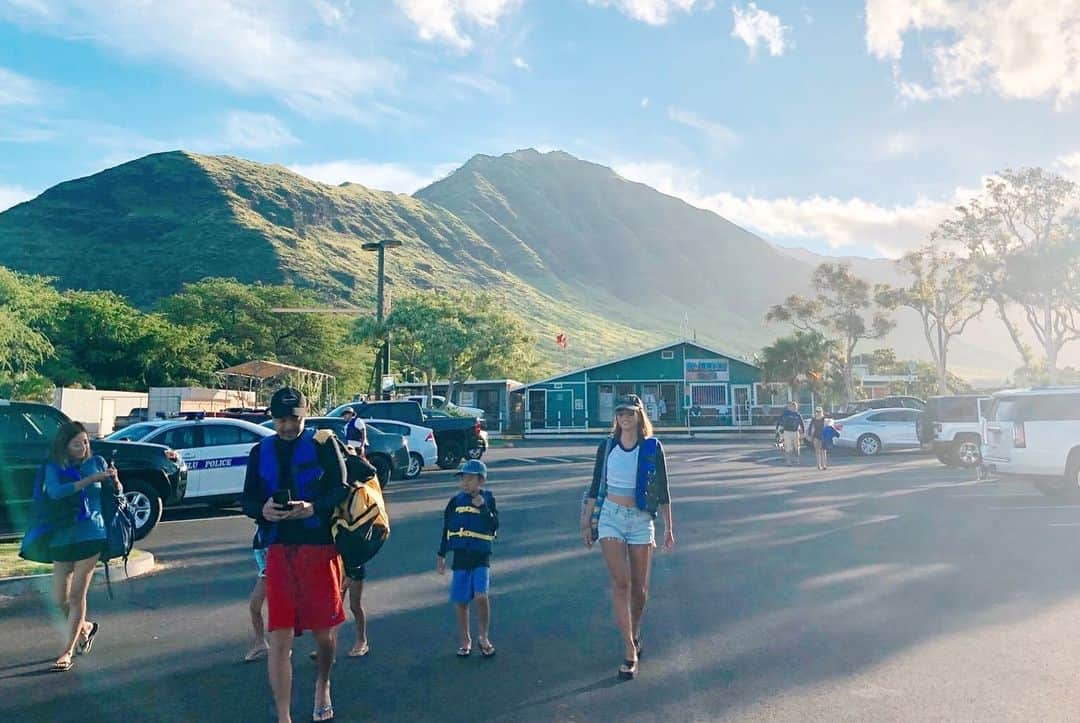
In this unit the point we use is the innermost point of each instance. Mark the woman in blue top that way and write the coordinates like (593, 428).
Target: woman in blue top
(72, 481)
(630, 486)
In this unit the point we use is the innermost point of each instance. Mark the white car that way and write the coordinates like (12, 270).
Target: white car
(422, 448)
(874, 430)
(215, 451)
(1035, 433)
(441, 404)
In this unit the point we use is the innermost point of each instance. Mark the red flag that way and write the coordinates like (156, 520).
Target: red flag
(560, 339)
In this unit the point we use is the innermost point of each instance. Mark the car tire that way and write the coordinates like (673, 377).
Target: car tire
(1070, 485)
(416, 466)
(869, 445)
(965, 453)
(449, 458)
(383, 469)
(945, 457)
(146, 506)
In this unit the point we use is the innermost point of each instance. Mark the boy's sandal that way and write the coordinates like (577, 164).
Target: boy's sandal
(323, 714)
(83, 646)
(486, 650)
(464, 652)
(628, 669)
(63, 665)
(254, 654)
(360, 652)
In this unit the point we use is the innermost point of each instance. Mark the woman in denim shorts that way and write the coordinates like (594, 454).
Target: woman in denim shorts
(630, 486)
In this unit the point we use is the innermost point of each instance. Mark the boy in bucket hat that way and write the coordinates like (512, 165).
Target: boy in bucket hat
(470, 521)
(291, 488)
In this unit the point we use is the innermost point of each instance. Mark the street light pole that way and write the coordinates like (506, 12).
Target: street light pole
(380, 247)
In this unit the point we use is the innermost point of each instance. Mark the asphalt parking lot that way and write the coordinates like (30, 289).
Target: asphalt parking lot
(882, 589)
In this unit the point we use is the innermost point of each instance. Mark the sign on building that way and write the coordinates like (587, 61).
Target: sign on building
(706, 370)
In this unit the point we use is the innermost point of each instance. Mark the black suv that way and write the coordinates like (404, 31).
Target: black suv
(152, 474)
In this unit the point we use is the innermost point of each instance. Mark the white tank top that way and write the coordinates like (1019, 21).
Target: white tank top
(622, 470)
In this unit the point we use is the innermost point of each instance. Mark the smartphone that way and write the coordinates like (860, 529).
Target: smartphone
(282, 498)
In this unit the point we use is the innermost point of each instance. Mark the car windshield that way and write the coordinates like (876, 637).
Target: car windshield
(133, 433)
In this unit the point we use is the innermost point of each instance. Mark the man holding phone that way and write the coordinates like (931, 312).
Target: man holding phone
(291, 489)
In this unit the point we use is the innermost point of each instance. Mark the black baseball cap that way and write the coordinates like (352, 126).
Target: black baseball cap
(629, 401)
(288, 402)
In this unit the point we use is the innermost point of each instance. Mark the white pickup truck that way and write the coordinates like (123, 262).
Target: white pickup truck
(442, 404)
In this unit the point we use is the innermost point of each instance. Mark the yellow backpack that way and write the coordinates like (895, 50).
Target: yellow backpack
(360, 525)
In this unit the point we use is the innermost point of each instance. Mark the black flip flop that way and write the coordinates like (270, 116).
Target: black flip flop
(487, 651)
(83, 648)
(628, 669)
(464, 652)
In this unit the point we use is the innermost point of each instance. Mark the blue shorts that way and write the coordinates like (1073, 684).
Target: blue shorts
(260, 560)
(469, 583)
(626, 524)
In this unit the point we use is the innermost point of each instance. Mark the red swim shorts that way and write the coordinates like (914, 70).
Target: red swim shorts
(303, 587)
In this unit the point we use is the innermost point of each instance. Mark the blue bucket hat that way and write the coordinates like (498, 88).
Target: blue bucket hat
(473, 466)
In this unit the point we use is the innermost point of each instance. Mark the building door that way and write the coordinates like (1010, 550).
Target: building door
(606, 407)
(537, 409)
(740, 404)
(669, 403)
(560, 408)
(489, 401)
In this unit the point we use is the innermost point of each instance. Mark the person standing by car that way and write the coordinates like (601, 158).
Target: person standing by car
(292, 486)
(630, 484)
(355, 430)
(791, 422)
(73, 482)
(815, 431)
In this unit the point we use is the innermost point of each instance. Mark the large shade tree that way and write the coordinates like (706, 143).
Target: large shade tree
(843, 309)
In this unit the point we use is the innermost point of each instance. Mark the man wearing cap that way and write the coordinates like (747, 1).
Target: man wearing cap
(355, 429)
(292, 486)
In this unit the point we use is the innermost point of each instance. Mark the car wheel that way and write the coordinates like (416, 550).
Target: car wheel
(450, 458)
(416, 465)
(966, 453)
(383, 470)
(1071, 484)
(945, 458)
(145, 504)
(476, 452)
(868, 445)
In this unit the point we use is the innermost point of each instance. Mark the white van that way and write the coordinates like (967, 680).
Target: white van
(1035, 433)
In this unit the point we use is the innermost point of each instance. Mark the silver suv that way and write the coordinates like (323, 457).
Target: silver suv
(953, 427)
(1035, 434)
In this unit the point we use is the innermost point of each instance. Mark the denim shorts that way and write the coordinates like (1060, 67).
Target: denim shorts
(467, 584)
(626, 524)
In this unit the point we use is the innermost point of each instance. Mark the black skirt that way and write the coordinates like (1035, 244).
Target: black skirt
(77, 551)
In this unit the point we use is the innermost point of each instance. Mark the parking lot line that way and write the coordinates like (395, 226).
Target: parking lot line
(701, 459)
(1065, 524)
(1037, 507)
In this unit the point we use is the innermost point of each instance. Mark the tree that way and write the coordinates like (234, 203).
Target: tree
(799, 360)
(452, 336)
(946, 295)
(26, 302)
(1022, 239)
(843, 310)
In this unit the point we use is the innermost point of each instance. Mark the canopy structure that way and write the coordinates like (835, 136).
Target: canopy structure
(263, 377)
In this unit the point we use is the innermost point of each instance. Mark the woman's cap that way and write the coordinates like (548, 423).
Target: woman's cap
(629, 401)
(288, 402)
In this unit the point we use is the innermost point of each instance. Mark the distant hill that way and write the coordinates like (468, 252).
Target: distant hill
(570, 245)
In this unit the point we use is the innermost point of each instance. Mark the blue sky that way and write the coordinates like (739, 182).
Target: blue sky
(842, 127)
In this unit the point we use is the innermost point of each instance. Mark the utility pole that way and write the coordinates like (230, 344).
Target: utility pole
(383, 362)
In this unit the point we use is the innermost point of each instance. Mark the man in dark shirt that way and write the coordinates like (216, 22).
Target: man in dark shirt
(292, 486)
(794, 427)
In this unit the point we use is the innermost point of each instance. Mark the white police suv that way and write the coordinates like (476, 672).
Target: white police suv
(215, 451)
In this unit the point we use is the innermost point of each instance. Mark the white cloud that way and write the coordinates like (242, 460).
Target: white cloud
(27, 135)
(442, 20)
(256, 130)
(645, 102)
(1069, 166)
(381, 176)
(898, 144)
(1014, 48)
(519, 62)
(11, 195)
(17, 89)
(755, 26)
(653, 12)
(891, 230)
(719, 135)
(258, 48)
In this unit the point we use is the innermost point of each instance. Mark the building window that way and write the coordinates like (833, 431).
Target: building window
(668, 354)
(708, 395)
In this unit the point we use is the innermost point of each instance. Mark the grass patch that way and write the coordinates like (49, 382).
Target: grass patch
(11, 565)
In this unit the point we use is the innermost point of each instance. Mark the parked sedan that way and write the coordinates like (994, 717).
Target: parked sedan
(875, 430)
(423, 450)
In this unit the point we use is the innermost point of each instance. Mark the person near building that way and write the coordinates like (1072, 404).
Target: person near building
(292, 486)
(630, 485)
(470, 522)
(793, 426)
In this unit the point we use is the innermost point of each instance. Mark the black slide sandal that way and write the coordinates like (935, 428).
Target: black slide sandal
(628, 669)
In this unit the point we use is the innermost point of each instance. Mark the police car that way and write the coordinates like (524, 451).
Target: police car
(215, 451)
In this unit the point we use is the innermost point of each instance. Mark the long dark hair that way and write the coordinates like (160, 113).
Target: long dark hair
(67, 432)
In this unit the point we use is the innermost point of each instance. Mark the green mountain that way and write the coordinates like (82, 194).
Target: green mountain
(144, 228)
